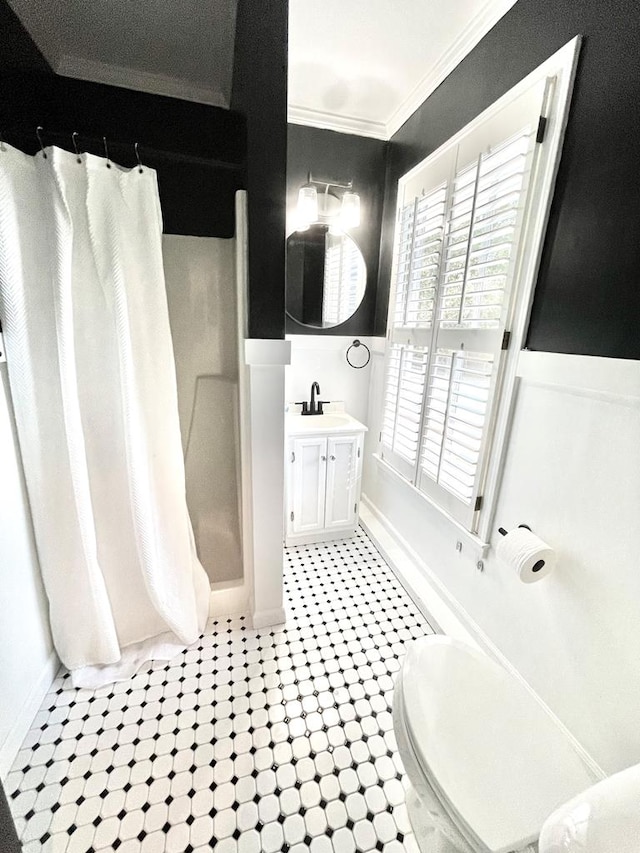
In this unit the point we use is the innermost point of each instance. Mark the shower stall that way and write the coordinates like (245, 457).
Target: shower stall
(207, 307)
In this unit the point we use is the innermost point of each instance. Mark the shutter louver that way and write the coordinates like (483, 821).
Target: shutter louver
(455, 414)
(487, 201)
(455, 256)
(403, 262)
(425, 258)
(404, 389)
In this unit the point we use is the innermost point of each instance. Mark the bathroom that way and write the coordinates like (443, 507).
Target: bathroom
(569, 457)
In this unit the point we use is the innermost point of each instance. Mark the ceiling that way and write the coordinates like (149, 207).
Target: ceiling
(363, 66)
(183, 48)
(358, 66)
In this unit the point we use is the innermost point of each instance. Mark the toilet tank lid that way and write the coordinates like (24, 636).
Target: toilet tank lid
(488, 747)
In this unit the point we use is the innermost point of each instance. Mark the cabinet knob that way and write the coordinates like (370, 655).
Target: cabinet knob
(324, 458)
(332, 458)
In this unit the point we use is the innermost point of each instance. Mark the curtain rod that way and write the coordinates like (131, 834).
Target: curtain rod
(146, 152)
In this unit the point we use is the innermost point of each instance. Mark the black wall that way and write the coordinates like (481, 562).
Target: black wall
(198, 151)
(587, 299)
(259, 93)
(341, 157)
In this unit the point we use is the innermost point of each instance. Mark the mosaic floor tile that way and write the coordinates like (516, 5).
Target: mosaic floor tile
(277, 740)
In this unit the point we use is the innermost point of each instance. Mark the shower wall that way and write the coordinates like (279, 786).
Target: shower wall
(201, 292)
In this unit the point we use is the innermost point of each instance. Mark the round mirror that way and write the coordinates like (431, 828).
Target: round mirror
(326, 276)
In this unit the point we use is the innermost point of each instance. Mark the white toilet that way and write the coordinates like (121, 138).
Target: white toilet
(487, 766)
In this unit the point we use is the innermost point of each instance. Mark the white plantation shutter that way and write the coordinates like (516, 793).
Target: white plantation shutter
(402, 413)
(455, 265)
(419, 248)
(428, 230)
(455, 416)
(404, 241)
(487, 201)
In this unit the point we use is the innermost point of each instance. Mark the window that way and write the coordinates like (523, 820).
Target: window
(470, 221)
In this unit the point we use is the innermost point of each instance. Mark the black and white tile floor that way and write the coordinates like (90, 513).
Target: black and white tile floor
(252, 740)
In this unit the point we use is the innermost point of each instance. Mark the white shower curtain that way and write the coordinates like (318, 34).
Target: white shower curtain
(92, 377)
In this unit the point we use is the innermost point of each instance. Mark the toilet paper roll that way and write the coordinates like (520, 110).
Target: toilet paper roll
(524, 552)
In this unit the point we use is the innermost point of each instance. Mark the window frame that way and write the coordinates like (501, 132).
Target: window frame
(558, 74)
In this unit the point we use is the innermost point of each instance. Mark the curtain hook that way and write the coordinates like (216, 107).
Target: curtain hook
(106, 151)
(75, 145)
(138, 157)
(39, 131)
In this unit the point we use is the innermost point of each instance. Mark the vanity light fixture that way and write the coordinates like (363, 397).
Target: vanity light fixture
(326, 207)
(350, 210)
(307, 206)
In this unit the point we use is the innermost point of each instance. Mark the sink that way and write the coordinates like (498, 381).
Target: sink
(327, 420)
(335, 422)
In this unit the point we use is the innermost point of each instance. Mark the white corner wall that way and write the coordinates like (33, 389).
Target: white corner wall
(322, 358)
(27, 661)
(572, 472)
(266, 361)
(200, 279)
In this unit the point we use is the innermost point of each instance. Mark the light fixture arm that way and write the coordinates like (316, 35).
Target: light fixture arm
(327, 184)
(327, 208)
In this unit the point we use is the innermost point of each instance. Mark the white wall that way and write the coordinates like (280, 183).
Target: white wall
(573, 474)
(200, 278)
(266, 362)
(27, 661)
(322, 358)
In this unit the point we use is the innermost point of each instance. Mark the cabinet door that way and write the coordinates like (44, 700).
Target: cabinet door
(343, 481)
(308, 475)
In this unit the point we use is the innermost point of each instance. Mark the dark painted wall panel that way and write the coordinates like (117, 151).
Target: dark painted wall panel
(342, 157)
(17, 48)
(259, 93)
(587, 299)
(197, 150)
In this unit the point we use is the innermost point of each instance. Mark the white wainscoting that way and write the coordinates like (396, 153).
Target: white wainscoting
(572, 473)
(322, 359)
(266, 360)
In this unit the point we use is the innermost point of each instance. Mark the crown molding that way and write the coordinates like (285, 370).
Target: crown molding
(141, 81)
(297, 114)
(474, 32)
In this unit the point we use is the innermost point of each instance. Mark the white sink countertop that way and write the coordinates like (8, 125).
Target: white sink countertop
(296, 424)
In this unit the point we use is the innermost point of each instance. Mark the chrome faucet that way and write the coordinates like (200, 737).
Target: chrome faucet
(315, 406)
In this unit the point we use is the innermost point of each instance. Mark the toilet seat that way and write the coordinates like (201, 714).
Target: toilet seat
(496, 760)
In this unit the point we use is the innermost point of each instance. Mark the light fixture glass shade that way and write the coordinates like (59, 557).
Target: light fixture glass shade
(350, 210)
(307, 206)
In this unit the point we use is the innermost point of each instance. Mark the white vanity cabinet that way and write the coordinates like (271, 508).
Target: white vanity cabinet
(324, 470)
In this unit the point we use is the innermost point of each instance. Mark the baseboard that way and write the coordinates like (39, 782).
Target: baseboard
(444, 612)
(267, 618)
(14, 740)
(323, 536)
(229, 599)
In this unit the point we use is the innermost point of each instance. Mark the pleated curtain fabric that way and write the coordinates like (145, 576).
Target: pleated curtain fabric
(92, 378)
